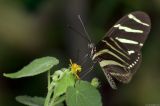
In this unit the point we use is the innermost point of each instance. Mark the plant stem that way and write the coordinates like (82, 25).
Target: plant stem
(60, 100)
(49, 94)
(49, 78)
(52, 101)
(50, 91)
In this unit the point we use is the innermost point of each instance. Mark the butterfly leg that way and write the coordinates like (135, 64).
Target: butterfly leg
(83, 59)
(90, 69)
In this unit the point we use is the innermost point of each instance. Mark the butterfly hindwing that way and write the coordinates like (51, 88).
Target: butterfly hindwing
(124, 74)
(118, 53)
(116, 61)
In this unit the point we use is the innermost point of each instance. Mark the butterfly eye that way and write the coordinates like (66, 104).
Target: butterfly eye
(91, 45)
(94, 49)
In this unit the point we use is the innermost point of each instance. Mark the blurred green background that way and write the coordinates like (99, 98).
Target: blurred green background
(36, 28)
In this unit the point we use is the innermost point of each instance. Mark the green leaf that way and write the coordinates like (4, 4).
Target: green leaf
(59, 101)
(83, 94)
(61, 104)
(36, 67)
(68, 79)
(31, 101)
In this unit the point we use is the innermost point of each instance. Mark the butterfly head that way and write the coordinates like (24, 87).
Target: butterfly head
(91, 48)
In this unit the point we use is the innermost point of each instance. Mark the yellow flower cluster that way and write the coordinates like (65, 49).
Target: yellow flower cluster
(75, 69)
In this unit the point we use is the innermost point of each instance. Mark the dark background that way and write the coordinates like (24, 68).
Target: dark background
(35, 28)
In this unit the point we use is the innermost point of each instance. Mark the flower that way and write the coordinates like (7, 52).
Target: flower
(75, 68)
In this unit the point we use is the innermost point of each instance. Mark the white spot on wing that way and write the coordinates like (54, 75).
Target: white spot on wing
(137, 20)
(122, 40)
(141, 44)
(104, 63)
(134, 63)
(127, 29)
(131, 52)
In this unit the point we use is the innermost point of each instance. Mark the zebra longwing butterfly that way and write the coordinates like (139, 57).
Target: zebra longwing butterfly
(119, 52)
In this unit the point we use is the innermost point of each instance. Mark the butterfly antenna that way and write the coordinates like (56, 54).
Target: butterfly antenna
(82, 35)
(88, 37)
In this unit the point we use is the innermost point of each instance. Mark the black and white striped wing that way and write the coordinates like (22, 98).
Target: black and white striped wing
(118, 53)
(131, 30)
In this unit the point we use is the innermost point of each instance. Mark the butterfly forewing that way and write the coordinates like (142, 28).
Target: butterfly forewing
(118, 53)
(131, 30)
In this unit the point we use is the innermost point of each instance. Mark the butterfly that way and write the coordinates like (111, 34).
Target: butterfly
(119, 51)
